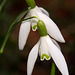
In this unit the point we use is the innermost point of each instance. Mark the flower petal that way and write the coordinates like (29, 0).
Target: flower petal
(43, 49)
(32, 59)
(44, 11)
(34, 25)
(52, 28)
(56, 43)
(57, 57)
(23, 34)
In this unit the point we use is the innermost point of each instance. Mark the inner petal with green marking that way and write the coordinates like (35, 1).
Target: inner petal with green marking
(34, 27)
(45, 56)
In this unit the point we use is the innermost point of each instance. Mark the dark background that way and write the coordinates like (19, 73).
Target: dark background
(13, 61)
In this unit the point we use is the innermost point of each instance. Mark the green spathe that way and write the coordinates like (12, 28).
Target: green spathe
(42, 28)
(31, 3)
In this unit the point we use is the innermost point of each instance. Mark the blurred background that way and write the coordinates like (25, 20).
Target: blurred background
(13, 61)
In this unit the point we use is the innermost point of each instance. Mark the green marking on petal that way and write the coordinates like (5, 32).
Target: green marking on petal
(34, 27)
(47, 57)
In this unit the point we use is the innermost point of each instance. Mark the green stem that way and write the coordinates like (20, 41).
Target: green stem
(25, 19)
(18, 18)
(41, 28)
(53, 69)
(31, 3)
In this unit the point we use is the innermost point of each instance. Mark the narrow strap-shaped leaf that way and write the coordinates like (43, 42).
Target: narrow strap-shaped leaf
(18, 18)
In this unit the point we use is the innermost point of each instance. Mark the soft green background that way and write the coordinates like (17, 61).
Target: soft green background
(13, 61)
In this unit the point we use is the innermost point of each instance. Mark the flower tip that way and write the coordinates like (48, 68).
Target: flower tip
(20, 48)
(62, 40)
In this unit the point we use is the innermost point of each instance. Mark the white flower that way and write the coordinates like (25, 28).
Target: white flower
(43, 15)
(47, 49)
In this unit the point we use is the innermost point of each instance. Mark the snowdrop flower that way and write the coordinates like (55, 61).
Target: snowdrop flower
(46, 48)
(43, 15)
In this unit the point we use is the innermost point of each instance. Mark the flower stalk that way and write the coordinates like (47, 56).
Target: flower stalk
(31, 3)
(53, 69)
(42, 28)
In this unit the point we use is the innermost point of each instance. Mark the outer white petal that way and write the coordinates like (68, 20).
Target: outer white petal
(23, 34)
(33, 12)
(57, 57)
(32, 59)
(44, 11)
(56, 43)
(27, 16)
(52, 28)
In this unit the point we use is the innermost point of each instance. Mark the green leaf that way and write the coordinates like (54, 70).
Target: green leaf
(11, 27)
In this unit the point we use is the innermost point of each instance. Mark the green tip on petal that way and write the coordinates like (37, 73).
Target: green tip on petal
(42, 28)
(34, 27)
(47, 57)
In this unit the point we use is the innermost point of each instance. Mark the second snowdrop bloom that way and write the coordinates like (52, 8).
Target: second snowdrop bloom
(46, 48)
(43, 15)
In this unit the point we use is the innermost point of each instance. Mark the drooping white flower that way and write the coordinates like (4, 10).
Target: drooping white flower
(43, 15)
(47, 49)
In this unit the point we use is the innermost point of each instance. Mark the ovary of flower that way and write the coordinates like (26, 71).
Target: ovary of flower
(43, 15)
(47, 49)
